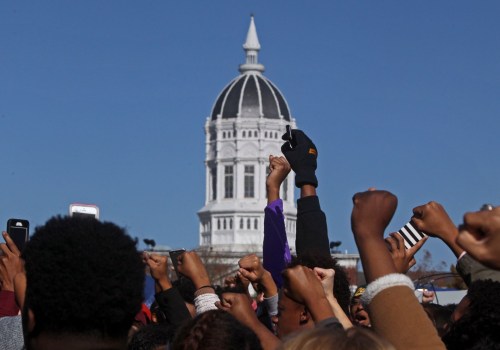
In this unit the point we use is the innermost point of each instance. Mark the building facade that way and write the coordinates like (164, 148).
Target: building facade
(243, 129)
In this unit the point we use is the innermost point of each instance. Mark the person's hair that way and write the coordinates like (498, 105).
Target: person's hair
(479, 327)
(439, 315)
(326, 338)
(83, 277)
(214, 330)
(341, 281)
(151, 336)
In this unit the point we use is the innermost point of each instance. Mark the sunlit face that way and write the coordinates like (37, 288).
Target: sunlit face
(359, 316)
(291, 317)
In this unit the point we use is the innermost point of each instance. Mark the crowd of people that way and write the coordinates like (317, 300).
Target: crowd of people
(79, 282)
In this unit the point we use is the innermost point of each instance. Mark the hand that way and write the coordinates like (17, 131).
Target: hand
(191, 266)
(279, 170)
(403, 258)
(239, 306)
(372, 212)
(158, 267)
(302, 158)
(251, 268)
(428, 296)
(326, 276)
(480, 236)
(302, 285)
(10, 263)
(432, 219)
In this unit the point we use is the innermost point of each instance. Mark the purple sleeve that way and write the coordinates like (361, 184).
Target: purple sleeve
(276, 253)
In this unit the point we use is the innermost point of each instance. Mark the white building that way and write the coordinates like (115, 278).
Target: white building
(244, 128)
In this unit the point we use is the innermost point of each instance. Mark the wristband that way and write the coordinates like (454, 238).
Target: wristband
(202, 290)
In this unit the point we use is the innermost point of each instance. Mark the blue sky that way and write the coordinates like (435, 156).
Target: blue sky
(104, 102)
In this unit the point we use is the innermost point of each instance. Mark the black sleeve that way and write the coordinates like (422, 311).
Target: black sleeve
(173, 307)
(312, 232)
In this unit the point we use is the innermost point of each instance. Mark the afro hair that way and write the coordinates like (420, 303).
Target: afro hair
(83, 277)
(479, 327)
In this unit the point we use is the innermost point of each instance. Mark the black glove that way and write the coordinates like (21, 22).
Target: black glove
(301, 153)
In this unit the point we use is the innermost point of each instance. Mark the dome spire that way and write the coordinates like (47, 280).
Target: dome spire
(251, 47)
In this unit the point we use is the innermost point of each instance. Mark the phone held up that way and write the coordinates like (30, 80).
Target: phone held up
(18, 230)
(174, 257)
(411, 234)
(84, 210)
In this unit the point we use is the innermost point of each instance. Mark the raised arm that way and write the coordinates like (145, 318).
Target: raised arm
(239, 306)
(312, 232)
(388, 290)
(191, 266)
(480, 236)
(168, 298)
(11, 264)
(326, 276)
(432, 219)
(276, 251)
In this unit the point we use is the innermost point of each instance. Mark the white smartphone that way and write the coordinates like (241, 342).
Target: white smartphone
(84, 210)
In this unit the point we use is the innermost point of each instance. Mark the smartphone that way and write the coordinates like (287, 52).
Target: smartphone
(18, 230)
(174, 255)
(84, 210)
(411, 234)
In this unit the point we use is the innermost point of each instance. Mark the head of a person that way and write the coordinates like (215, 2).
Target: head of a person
(215, 330)
(325, 338)
(357, 312)
(84, 284)
(293, 316)
(151, 337)
(476, 320)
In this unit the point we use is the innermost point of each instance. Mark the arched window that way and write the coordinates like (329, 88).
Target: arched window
(224, 224)
(230, 224)
(248, 224)
(218, 224)
(256, 224)
(265, 134)
(241, 224)
(255, 133)
(244, 133)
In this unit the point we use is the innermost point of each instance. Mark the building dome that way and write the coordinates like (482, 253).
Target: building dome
(251, 95)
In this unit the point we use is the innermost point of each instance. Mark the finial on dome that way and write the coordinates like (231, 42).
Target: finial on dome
(251, 47)
(252, 42)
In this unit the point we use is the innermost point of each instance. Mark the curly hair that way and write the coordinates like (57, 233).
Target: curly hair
(83, 277)
(478, 327)
(150, 337)
(215, 330)
(341, 281)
